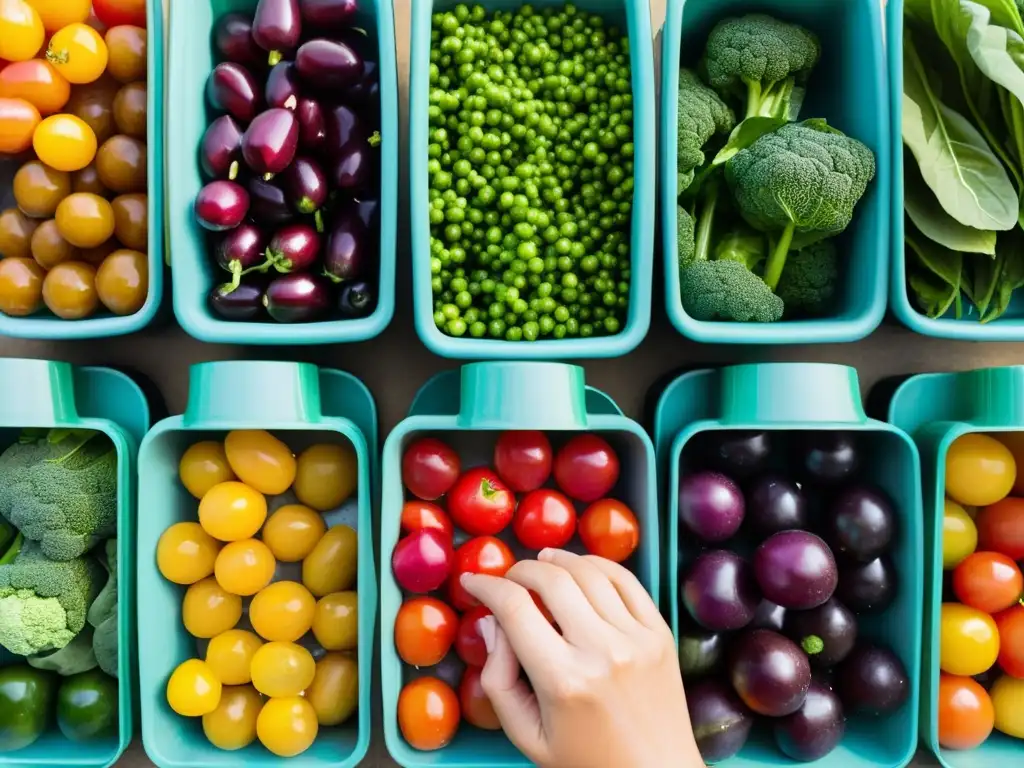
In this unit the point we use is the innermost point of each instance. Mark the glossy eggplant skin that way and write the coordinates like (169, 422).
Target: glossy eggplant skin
(221, 205)
(826, 633)
(221, 149)
(872, 680)
(269, 205)
(277, 27)
(868, 587)
(282, 91)
(328, 64)
(353, 168)
(327, 14)
(815, 729)
(240, 303)
(240, 249)
(270, 141)
(296, 298)
(345, 257)
(232, 37)
(305, 184)
(231, 88)
(701, 652)
(367, 88)
(356, 300)
(344, 129)
(312, 125)
(294, 248)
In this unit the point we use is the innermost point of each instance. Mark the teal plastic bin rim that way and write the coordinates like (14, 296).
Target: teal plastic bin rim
(53, 328)
(188, 241)
(812, 331)
(638, 26)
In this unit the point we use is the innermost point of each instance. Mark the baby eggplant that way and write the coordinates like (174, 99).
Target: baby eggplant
(367, 88)
(306, 187)
(240, 250)
(221, 148)
(345, 256)
(296, 298)
(282, 89)
(312, 124)
(269, 205)
(276, 27)
(352, 167)
(344, 128)
(270, 142)
(221, 205)
(231, 88)
(368, 211)
(232, 37)
(327, 13)
(328, 64)
(294, 248)
(355, 300)
(238, 302)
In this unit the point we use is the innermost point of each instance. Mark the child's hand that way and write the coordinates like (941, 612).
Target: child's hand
(607, 691)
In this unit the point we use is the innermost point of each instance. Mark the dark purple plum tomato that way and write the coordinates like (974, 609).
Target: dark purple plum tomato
(270, 141)
(815, 729)
(240, 249)
(700, 652)
(827, 633)
(327, 14)
(356, 300)
(367, 88)
(305, 185)
(769, 672)
(719, 591)
(294, 248)
(277, 27)
(345, 257)
(738, 454)
(710, 506)
(867, 587)
(795, 569)
(312, 125)
(221, 205)
(776, 504)
(231, 88)
(328, 64)
(297, 298)
(282, 91)
(828, 457)
(232, 36)
(768, 616)
(239, 303)
(269, 204)
(860, 523)
(221, 149)
(720, 722)
(873, 681)
(344, 129)
(352, 168)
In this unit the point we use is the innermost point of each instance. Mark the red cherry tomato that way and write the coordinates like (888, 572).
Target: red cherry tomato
(544, 518)
(586, 468)
(988, 581)
(1001, 528)
(476, 707)
(469, 643)
(418, 515)
(1011, 640)
(429, 468)
(484, 554)
(610, 530)
(424, 631)
(115, 12)
(428, 713)
(480, 503)
(523, 459)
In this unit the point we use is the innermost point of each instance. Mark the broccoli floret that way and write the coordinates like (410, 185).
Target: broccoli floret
(744, 245)
(43, 603)
(701, 114)
(809, 282)
(685, 237)
(760, 60)
(727, 290)
(59, 488)
(804, 178)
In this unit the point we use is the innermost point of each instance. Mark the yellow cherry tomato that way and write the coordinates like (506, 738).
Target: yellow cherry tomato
(79, 53)
(968, 640)
(282, 669)
(336, 621)
(64, 142)
(186, 553)
(57, 14)
(193, 690)
(208, 609)
(1008, 701)
(232, 511)
(334, 693)
(282, 611)
(21, 31)
(261, 460)
(85, 220)
(232, 725)
(979, 470)
(202, 466)
(245, 567)
(331, 566)
(230, 654)
(292, 531)
(959, 535)
(287, 727)
(326, 475)
(1015, 442)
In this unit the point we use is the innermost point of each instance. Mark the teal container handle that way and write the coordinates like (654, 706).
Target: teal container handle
(790, 393)
(269, 394)
(996, 396)
(522, 395)
(36, 392)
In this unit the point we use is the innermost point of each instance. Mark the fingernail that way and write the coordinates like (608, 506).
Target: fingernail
(545, 554)
(488, 631)
(465, 578)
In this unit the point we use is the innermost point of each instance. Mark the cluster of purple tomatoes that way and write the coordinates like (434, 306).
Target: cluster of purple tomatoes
(793, 547)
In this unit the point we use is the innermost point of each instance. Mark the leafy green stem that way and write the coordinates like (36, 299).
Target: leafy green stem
(777, 258)
(706, 222)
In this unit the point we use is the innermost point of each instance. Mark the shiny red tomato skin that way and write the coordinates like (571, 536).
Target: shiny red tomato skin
(424, 631)
(480, 503)
(484, 554)
(609, 529)
(988, 581)
(523, 459)
(430, 468)
(1011, 640)
(586, 468)
(469, 643)
(418, 514)
(544, 518)
(115, 12)
(476, 707)
(1001, 528)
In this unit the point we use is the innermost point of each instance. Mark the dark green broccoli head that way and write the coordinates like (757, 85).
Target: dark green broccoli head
(808, 284)
(701, 114)
(727, 290)
(685, 236)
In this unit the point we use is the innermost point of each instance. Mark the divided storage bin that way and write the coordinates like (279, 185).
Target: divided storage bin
(302, 405)
(847, 88)
(632, 16)
(936, 409)
(44, 394)
(193, 271)
(467, 409)
(782, 397)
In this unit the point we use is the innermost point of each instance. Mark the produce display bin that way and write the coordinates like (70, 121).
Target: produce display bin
(46, 394)
(193, 272)
(304, 405)
(936, 409)
(46, 326)
(848, 89)
(634, 16)
(781, 397)
(467, 409)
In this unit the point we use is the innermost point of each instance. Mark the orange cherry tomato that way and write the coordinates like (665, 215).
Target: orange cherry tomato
(417, 514)
(609, 529)
(425, 629)
(57, 14)
(18, 122)
(476, 707)
(966, 715)
(37, 82)
(79, 52)
(21, 30)
(1011, 640)
(988, 581)
(114, 12)
(65, 142)
(428, 713)
(1001, 528)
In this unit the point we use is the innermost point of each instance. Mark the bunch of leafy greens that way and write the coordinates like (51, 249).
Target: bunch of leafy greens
(963, 136)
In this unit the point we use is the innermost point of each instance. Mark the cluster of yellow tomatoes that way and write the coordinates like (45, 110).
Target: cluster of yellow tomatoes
(73, 103)
(270, 586)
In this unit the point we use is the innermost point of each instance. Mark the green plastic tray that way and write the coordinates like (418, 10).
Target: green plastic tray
(936, 409)
(41, 393)
(467, 408)
(807, 396)
(309, 404)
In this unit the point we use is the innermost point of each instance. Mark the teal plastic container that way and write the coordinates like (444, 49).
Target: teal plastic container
(46, 394)
(936, 409)
(303, 405)
(46, 326)
(783, 397)
(193, 272)
(634, 16)
(467, 409)
(847, 88)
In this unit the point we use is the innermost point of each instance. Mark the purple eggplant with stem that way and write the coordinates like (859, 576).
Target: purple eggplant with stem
(354, 165)
(356, 299)
(232, 36)
(221, 205)
(242, 250)
(328, 64)
(269, 204)
(238, 303)
(221, 148)
(312, 124)
(345, 257)
(294, 248)
(231, 88)
(306, 187)
(270, 142)
(277, 27)
(282, 91)
(327, 14)
(297, 298)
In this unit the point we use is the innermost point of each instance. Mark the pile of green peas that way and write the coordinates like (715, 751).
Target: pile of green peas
(530, 161)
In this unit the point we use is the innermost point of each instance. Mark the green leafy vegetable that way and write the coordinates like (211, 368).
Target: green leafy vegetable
(701, 114)
(103, 615)
(935, 279)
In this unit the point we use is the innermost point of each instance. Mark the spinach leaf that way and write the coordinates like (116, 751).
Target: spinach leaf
(745, 134)
(934, 274)
(1011, 275)
(1006, 13)
(998, 52)
(984, 274)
